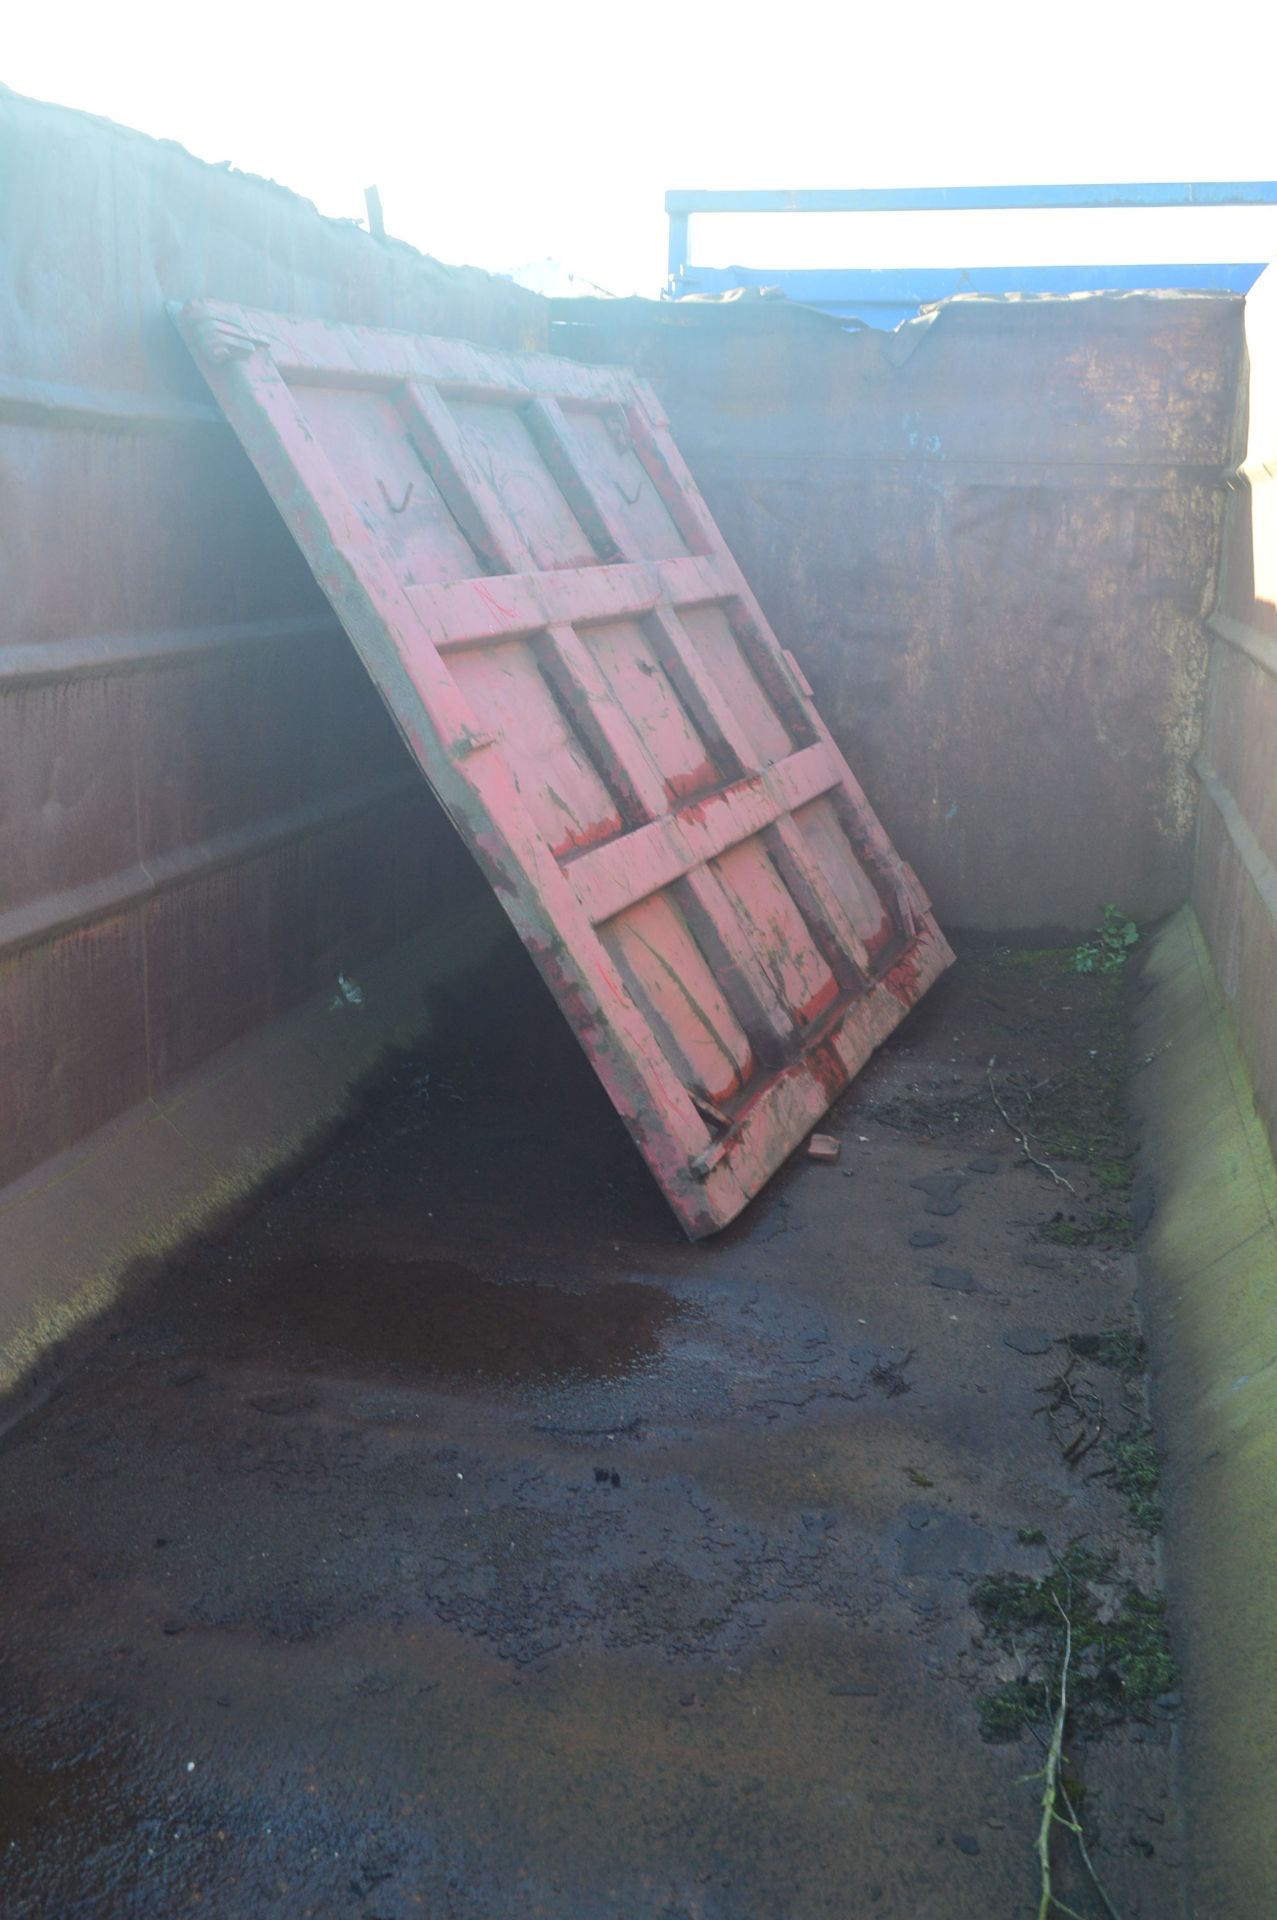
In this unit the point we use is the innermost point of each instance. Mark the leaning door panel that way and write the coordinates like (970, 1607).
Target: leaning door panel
(536, 586)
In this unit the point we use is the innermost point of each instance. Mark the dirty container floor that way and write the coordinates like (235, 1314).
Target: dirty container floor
(452, 1538)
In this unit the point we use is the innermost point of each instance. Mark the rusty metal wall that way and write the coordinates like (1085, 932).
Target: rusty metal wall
(204, 811)
(1235, 875)
(990, 538)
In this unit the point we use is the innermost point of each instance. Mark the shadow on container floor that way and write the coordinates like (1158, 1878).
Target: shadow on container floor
(454, 1539)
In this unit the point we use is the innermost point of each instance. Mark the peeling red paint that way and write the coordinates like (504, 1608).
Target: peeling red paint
(592, 836)
(827, 1067)
(902, 979)
(811, 1010)
(680, 787)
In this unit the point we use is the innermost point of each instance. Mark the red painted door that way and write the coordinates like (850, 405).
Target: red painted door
(531, 577)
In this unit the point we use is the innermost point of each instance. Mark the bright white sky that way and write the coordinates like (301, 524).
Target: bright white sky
(503, 135)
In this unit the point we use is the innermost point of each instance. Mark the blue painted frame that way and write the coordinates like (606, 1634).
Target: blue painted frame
(892, 292)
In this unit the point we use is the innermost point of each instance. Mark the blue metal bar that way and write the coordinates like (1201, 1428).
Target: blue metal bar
(1207, 193)
(679, 252)
(681, 203)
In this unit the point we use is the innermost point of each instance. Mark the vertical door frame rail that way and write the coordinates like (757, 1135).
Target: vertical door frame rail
(709, 1164)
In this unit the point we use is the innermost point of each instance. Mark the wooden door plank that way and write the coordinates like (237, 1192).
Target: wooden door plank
(472, 499)
(612, 877)
(465, 613)
(553, 439)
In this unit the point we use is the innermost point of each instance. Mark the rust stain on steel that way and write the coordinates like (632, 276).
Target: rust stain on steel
(512, 543)
(988, 538)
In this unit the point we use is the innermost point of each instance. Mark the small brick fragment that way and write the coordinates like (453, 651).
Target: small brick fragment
(823, 1146)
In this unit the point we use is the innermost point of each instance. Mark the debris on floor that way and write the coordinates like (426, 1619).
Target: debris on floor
(454, 1538)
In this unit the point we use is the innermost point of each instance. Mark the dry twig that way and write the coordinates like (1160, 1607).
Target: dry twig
(1075, 1827)
(1022, 1137)
(1053, 1789)
(1051, 1780)
(1075, 1447)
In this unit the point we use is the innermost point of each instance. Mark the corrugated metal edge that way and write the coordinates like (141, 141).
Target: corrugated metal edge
(1209, 1262)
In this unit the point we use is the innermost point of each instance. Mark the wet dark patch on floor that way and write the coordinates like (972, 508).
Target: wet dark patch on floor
(1029, 1339)
(942, 1190)
(441, 1320)
(453, 1538)
(954, 1280)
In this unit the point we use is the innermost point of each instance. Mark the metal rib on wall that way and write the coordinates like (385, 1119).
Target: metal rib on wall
(204, 811)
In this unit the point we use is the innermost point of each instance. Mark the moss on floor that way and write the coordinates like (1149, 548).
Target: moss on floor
(1109, 1227)
(1120, 1663)
(1115, 1347)
(1078, 1117)
(1137, 1475)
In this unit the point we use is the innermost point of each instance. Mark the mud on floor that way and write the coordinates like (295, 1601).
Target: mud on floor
(454, 1539)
